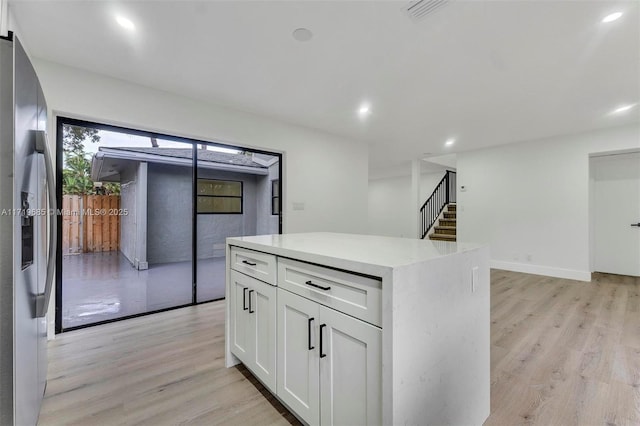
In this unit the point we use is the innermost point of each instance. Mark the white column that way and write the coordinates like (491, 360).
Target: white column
(415, 196)
(141, 217)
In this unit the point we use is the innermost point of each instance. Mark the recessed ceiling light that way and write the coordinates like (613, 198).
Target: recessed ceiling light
(364, 110)
(623, 108)
(612, 17)
(450, 142)
(302, 34)
(125, 23)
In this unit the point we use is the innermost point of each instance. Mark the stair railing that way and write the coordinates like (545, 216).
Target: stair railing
(444, 194)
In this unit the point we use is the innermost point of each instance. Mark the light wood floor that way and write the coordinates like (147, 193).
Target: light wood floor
(562, 353)
(162, 369)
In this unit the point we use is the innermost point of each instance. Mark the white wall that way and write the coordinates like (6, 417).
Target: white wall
(10, 21)
(530, 201)
(390, 204)
(4, 17)
(327, 173)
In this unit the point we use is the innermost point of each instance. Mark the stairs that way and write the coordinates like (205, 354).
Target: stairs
(445, 229)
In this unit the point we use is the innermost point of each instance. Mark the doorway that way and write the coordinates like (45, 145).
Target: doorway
(145, 217)
(615, 213)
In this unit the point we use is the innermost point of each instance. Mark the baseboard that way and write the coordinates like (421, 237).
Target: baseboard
(549, 271)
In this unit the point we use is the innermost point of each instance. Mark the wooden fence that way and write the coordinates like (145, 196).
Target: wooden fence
(90, 223)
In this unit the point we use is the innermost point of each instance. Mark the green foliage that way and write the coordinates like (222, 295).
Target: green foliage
(109, 188)
(73, 138)
(76, 174)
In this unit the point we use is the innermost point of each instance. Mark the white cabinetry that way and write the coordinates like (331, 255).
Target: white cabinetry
(355, 295)
(329, 364)
(298, 359)
(253, 326)
(363, 330)
(239, 316)
(350, 370)
(261, 266)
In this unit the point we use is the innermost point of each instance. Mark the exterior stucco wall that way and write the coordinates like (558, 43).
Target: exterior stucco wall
(169, 195)
(213, 229)
(169, 216)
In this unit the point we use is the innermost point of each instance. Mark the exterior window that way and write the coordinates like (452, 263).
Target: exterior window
(219, 197)
(275, 197)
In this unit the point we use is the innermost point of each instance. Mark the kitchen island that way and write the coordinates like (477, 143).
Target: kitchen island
(360, 329)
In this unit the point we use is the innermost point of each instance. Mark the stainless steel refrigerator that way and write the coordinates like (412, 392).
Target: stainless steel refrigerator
(27, 237)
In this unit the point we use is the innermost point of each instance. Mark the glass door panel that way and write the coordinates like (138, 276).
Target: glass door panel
(224, 201)
(170, 226)
(127, 225)
(235, 197)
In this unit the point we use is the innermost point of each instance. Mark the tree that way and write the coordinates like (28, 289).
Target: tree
(76, 173)
(73, 138)
(76, 176)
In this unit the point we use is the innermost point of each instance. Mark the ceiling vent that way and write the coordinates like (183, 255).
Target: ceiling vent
(421, 8)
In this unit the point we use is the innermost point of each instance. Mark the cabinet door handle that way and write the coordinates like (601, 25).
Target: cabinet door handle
(317, 286)
(636, 224)
(309, 331)
(321, 354)
(250, 311)
(246, 262)
(244, 299)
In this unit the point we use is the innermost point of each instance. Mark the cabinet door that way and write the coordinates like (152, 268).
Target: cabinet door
(350, 370)
(239, 315)
(298, 374)
(262, 329)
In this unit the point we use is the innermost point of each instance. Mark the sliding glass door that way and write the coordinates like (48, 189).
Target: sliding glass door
(145, 218)
(170, 225)
(231, 201)
(126, 244)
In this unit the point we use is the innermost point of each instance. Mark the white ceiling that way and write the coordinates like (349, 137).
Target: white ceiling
(484, 72)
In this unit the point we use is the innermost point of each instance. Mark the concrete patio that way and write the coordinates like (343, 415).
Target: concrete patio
(103, 286)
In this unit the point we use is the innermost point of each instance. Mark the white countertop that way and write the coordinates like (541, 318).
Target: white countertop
(366, 250)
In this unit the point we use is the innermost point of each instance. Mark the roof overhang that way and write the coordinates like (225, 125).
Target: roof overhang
(103, 172)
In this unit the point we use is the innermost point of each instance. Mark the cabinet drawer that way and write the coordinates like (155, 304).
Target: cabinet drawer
(256, 264)
(352, 294)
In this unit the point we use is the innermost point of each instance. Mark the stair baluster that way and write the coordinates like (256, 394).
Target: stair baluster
(443, 195)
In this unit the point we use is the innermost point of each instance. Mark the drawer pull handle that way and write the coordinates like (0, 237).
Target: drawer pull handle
(317, 286)
(244, 299)
(246, 262)
(309, 330)
(250, 311)
(321, 354)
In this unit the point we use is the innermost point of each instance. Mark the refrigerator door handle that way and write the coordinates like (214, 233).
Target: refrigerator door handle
(42, 300)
